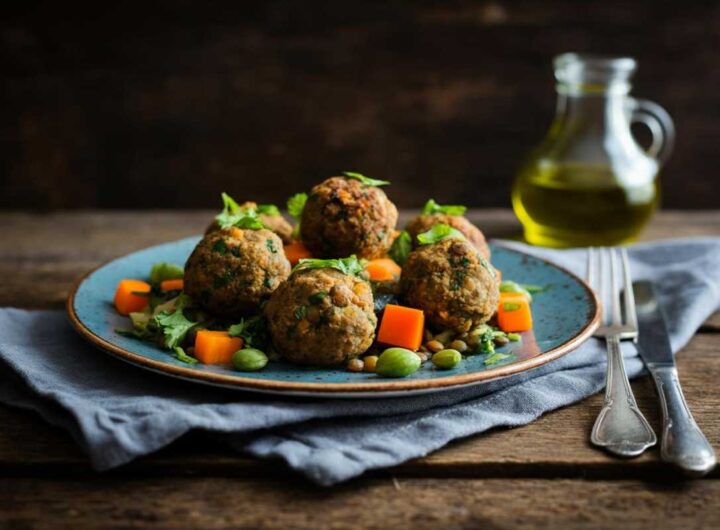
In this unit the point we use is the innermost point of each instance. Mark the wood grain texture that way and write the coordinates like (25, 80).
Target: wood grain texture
(211, 503)
(132, 105)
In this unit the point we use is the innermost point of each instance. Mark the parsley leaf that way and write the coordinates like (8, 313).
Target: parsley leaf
(495, 358)
(510, 306)
(235, 215)
(165, 271)
(230, 205)
(173, 326)
(431, 207)
(296, 205)
(366, 181)
(268, 209)
(439, 232)
(401, 247)
(181, 356)
(351, 266)
(253, 331)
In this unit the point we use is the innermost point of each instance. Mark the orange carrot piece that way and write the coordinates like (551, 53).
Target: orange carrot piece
(171, 285)
(402, 326)
(216, 347)
(383, 270)
(296, 251)
(126, 301)
(514, 313)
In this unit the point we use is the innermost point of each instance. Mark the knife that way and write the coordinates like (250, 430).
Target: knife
(683, 443)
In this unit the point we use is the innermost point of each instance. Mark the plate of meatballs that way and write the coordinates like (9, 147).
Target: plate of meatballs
(340, 302)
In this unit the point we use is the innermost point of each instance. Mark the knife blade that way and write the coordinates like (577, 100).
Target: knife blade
(683, 443)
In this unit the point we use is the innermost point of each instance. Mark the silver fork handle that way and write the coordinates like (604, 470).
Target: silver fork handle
(683, 443)
(620, 427)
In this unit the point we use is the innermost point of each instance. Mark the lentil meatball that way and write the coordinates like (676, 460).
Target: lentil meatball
(452, 283)
(321, 317)
(232, 271)
(423, 223)
(275, 223)
(342, 217)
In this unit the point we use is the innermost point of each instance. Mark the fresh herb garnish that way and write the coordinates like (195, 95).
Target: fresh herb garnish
(268, 209)
(401, 247)
(431, 207)
(270, 245)
(230, 210)
(514, 337)
(495, 358)
(252, 330)
(132, 333)
(174, 327)
(510, 306)
(235, 215)
(165, 271)
(438, 233)
(296, 205)
(487, 341)
(181, 356)
(248, 219)
(367, 181)
(351, 266)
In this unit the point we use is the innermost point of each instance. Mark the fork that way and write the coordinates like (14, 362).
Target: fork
(620, 427)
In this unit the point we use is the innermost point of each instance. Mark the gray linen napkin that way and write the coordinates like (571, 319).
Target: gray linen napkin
(117, 412)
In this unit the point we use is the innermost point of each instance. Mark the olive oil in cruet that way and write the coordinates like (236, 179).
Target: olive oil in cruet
(589, 182)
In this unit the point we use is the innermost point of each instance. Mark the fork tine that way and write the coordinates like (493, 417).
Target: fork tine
(628, 295)
(616, 319)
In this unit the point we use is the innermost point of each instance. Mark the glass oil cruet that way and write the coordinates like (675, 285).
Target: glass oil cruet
(589, 182)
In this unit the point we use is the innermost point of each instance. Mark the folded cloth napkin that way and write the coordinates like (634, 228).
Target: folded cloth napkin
(117, 412)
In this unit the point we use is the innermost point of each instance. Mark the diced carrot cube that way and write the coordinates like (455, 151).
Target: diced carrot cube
(514, 313)
(216, 347)
(126, 300)
(402, 326)
(383, 270)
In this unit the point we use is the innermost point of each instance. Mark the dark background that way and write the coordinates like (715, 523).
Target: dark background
(165, 104)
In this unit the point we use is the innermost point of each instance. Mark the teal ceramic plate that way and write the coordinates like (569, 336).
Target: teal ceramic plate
(564, 316)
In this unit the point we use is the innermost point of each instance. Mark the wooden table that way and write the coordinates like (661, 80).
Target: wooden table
(542, 475)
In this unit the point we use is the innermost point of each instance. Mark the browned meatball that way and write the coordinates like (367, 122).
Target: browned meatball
(232, 271)
(342, 217)
(321, 317)
(423, 223)
(452, 283)
(275, 223)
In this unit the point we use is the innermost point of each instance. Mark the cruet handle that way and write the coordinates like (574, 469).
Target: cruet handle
(661, 126)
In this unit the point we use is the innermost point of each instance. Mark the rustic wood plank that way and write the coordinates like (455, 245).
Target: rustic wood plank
(271, 96)
(555, 445)
(211, 503)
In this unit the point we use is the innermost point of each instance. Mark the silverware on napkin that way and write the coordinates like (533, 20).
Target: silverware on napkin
(620, 427)
(683, 443)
